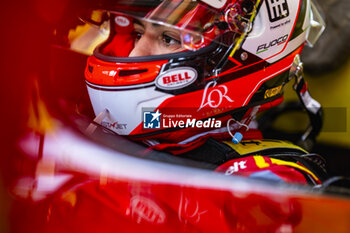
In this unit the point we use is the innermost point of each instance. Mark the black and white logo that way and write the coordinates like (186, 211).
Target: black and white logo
(277, 9)
(151, 120)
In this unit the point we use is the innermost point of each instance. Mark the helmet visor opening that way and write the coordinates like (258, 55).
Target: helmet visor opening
(171, 27)
(131, 36)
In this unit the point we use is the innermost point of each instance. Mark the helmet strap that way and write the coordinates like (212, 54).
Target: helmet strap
(311, 106)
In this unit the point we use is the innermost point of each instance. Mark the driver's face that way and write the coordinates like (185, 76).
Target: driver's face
(153, 39)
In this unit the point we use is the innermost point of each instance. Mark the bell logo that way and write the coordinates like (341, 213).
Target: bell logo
(122, 21)
(176, 78)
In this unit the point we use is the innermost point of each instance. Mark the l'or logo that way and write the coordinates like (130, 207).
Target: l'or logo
(277, 9)
(215, 96)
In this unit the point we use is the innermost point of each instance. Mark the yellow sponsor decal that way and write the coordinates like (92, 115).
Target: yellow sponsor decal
(272, 92)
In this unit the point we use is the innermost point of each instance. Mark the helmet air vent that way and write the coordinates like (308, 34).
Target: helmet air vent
(124, 73)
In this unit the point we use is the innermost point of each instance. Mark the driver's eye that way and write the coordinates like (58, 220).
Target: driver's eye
(169, 40)
(137, 35)
(138, 32)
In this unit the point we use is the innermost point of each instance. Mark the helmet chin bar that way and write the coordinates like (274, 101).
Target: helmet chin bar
(310, 105)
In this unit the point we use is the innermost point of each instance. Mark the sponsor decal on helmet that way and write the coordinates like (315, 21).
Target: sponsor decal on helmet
(276, 42)
(122, 21)
(176, 78)
(278, 25)
(157, 120)
(277, 9)
(214, 97)
(114, 125)
(273, 92)
(215, 3)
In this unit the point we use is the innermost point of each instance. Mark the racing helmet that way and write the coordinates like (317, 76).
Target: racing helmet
(175, 70)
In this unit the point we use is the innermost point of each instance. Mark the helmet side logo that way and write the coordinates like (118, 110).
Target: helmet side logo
(176, 78)
(276, 42)
(122, 21)
(214, 97)
(277, 9)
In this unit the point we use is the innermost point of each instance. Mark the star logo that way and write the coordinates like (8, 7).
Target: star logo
(151, 120)
(156, 115)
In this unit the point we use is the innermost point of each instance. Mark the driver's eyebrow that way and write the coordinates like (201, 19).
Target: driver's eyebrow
(138, 22)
